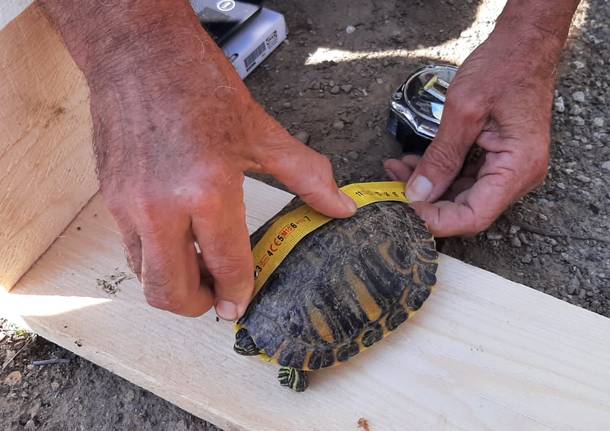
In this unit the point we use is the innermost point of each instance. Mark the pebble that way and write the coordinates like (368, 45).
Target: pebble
(350, 29)
(514, 229)
(302, 136)
(560, 106)
(130, 395)
(527, 258)
(583, 178)
(578, 96)
(494, 236)
(339, 125)
(598, 122)
(578, 121)
(606, 165)
(515, 242)
(578, 64)
(346, 88)
(353, 155)
(379, 81)
(54, 386)
(335, 90)
(30, 425)
(287, 105)
(13, 378)
(573, 286)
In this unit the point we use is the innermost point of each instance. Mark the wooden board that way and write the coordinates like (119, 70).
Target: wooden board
(484, 352)
(46, 162)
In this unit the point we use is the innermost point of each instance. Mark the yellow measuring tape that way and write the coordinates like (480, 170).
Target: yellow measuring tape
(286, 232)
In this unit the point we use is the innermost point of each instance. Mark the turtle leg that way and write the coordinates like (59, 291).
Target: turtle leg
(294, 379)
(244, 344)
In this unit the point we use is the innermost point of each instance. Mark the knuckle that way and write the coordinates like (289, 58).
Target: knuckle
(161, 296)
(228, 266)
(443, 156)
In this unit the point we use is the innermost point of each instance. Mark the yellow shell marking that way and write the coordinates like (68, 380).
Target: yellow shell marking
(365, 299)
(320, 325)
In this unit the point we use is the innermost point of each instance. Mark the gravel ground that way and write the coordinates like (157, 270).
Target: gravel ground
(555, 240)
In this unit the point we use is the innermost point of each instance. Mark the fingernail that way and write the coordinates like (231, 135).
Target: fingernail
(226, 310)
(348, 202)
(391, 175)
(419, 189)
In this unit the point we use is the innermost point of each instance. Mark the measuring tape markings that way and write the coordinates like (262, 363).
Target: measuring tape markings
(286, 232)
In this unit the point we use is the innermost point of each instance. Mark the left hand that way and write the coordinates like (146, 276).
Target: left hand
(501, 100)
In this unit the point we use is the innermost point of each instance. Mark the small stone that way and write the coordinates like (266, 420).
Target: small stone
(527, 258)
(573, 286)
(379, 81)
(598, 122)
(542, 217)
(54, 386)
(14, 378)
(353, 155)
(578, 121)
(335, 90)
(130, 395)
(606, 165)
(578, 96)
(346, 88)
(515, 242)
(339, 125)
(302, 136)
(560, 105)
(514, 229)
(350, 29)
(29, 425)
(578, 64)
(287, 105)
(582, 178)
(494, 236)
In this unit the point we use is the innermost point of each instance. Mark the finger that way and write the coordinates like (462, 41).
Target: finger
(460, 185)
(305, 172)
(473, 210)
(401, 170)
(133, 249)
(170, 272)
(132, 245)
(396, 170)
(222, 234)
(463, 120)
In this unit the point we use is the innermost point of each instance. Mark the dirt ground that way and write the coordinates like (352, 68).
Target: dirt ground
(555, 240)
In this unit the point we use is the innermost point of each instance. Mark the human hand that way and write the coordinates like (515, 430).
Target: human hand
(501, 100)
(175, 130)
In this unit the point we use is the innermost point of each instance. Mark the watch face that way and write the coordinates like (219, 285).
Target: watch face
(425, 91)
(221, 18)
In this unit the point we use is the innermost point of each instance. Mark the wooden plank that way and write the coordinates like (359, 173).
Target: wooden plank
(484, 352)
(46, 163)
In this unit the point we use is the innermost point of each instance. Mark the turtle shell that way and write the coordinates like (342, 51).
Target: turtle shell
(343, 287)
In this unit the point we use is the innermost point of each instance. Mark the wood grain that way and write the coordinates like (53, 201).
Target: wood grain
(483, 353)
(46, 162)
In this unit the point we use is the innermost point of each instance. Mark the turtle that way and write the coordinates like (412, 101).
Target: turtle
(340, 290)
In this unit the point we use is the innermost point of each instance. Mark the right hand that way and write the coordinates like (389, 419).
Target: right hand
(174, 137)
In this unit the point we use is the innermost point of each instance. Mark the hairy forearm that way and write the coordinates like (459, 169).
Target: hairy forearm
(107, 38)
(547, 21)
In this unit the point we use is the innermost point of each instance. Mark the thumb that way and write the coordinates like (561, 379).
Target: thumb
(306, 173)
(460, 126)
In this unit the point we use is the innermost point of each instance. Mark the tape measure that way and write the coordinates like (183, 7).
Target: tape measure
(286, 232)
